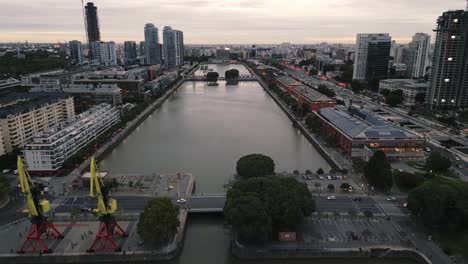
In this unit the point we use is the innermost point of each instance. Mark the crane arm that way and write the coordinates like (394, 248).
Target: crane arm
(95, 186)
(24, 182)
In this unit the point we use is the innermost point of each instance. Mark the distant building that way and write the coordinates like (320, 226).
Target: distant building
(85, 95)
(409, 87)
(173, 47)
(449, 80)
(104, 52)
(152, 48)
(360, 134)
(130, 50)
(223, 54)
(304, 94)
(9, 85)
(401, 55)
(76, 51)
(131, 84)
(50, 148)
(22, 115)
(372, 56)
(418, 53)
(92, 22)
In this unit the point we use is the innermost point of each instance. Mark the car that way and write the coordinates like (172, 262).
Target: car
(86, 210)
(304, 177)
(405, 205)
(331, 198)
(457, 158)
(322, 178)
(170, 187)
(5, 171)
(459, 166)
(46, 189)
(182, 200)
(15, 172)
(329, 177)
(428, 149)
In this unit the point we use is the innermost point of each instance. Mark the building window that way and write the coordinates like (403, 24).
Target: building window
(447, 80)
(454, 37)
(450, 59)
(455, 20)
(442, 100)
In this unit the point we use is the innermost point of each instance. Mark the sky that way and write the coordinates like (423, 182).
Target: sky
(224, 21)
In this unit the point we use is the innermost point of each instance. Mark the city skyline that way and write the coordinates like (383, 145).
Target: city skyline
(217, 22)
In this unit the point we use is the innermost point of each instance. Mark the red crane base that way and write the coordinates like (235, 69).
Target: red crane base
(103, 241)
(34, 243)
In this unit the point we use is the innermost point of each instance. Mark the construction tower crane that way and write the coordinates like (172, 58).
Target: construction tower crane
(37, 207)
(106, 208)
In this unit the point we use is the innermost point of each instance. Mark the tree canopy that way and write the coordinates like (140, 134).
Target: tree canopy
(378, 171)
(394, 98)
(159, 221)
(212, 76)
(258, 208)
(231, 74)
(420, 98)
(438, 163)
(326, 91)
(408, 180)
(255, 165)
(441, 204)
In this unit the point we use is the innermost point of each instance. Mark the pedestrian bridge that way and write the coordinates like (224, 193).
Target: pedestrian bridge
(206, 203)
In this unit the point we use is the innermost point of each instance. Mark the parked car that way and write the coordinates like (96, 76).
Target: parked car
(322, 178)
(331, 198)
(46, 189)
(5, 171)
(182, 200)
(86, 210)
(329, 177)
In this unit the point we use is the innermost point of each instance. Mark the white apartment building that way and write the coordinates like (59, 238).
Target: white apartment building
(104, 53)
(23, 115)
(50, 149)
(362, 57)
(418, 53)
(409, 87)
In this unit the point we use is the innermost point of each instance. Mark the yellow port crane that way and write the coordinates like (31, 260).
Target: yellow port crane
(106, 207)
(37, 207)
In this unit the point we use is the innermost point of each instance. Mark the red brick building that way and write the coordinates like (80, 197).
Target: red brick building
(305, 94)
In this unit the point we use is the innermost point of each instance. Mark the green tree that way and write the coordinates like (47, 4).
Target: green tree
(231, 74)
(378, 171)
(357, 86)
(385, 92)
(212, 77)
(345, 186)
(313, 71)
(326, 91)
(420, 98)
(255, 165)
(438, 163)
(260, 207)
(308, 172)
(331, 187)
(359, 165)
(441, 204)
(320, 171)
(408, 180)
(159, 221)
(395, 98)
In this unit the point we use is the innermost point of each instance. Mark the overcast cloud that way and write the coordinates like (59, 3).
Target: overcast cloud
(224, 21)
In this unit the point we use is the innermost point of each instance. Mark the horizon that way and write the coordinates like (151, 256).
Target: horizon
(298, 22)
